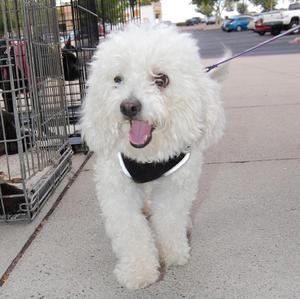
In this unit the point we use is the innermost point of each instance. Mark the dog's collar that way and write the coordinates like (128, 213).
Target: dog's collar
(146, 172)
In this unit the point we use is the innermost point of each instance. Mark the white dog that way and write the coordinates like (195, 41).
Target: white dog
(150, 112)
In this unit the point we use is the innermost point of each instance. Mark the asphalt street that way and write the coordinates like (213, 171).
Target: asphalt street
(213, 42)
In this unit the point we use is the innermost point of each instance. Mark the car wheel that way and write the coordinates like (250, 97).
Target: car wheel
(275, 31)
(238, 28)
(261, 33)
(293, 24)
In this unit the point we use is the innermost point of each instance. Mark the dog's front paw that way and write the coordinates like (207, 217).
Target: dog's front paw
(137, 275)
(173, 255)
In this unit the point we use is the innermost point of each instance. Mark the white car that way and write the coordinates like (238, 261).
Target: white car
(211, 20)
(279, 20)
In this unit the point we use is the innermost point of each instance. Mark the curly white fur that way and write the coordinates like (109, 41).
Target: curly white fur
(187, 113)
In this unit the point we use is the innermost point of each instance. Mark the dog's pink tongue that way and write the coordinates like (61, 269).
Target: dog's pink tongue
(140, 132)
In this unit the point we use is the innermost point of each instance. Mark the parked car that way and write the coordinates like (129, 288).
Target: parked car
(169, 23)
(251, 24)
(237, 23)
(278, 20)
(269, 22)
(261, 28)
(193, 21)
(291, 17)
(211, 20)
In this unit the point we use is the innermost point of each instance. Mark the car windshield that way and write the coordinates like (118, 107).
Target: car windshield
(294, 6)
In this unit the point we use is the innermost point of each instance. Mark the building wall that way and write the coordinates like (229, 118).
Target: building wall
(147, 14)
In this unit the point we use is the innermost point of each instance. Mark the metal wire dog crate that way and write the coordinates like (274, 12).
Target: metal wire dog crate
(82, 25)
(34, 149)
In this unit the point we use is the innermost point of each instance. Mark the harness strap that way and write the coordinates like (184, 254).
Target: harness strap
(146, 172)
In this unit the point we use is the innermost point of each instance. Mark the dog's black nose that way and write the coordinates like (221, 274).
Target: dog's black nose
(130, 108)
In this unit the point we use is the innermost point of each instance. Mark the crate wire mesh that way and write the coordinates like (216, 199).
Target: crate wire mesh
(34, 149)
(83, 24)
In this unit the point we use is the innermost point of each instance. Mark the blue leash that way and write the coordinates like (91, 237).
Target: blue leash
(213, 66)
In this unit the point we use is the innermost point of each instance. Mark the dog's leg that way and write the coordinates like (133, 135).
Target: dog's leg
(170, 215)
(130, 233)
(170, 218)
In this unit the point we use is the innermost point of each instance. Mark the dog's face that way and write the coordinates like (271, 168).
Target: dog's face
(149, 97)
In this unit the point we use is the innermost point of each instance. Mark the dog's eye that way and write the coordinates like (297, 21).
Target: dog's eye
(161, 80)
(118, 79)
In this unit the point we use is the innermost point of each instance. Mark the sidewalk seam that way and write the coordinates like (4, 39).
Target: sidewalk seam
(250, 161)
(261, 106)
(32, 237)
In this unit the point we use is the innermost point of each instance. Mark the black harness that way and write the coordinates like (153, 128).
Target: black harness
(147, 172)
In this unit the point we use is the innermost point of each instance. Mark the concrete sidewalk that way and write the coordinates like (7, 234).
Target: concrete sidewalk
(245, 241)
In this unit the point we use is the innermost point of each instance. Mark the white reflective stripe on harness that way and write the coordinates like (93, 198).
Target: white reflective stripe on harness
(177, 166)
(123, 167)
